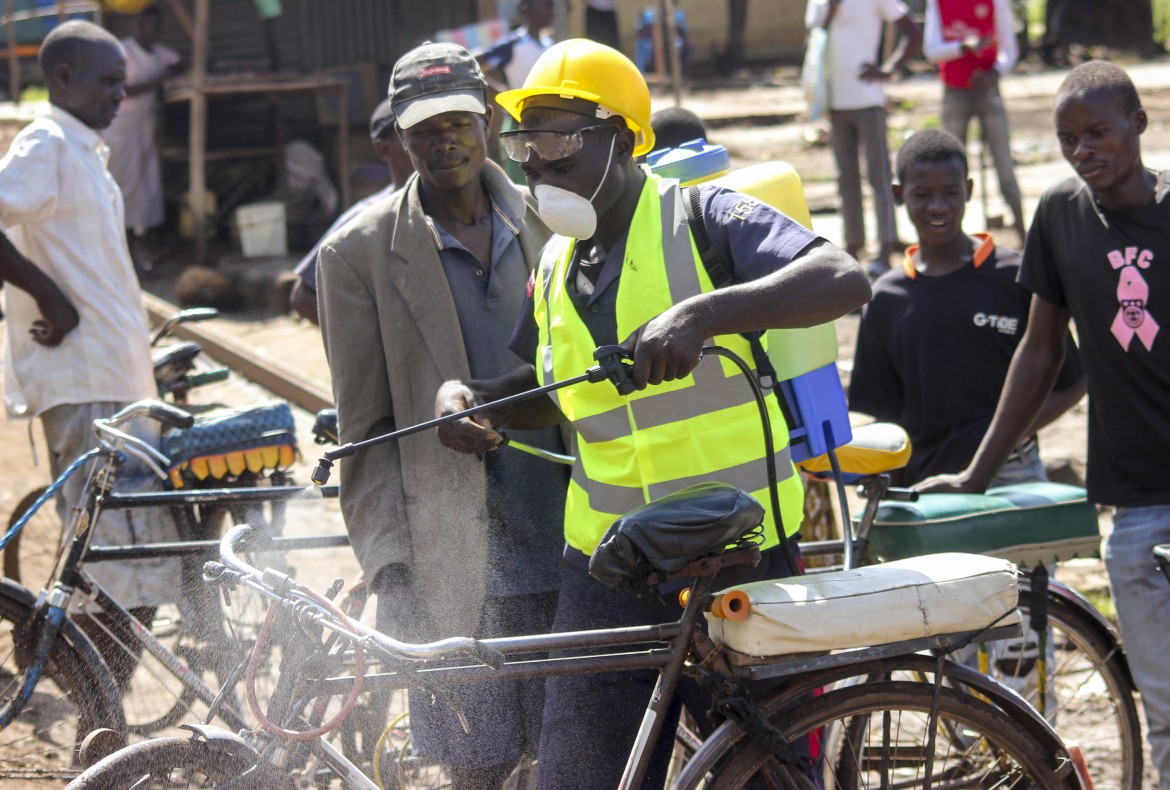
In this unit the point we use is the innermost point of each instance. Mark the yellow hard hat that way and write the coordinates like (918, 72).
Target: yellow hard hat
(128, 6)
(583, 69)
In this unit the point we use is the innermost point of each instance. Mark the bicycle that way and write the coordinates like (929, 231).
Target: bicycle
(986, 739)
(50, 664)
(850, 655)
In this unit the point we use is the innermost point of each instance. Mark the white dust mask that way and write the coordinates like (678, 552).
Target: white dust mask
(567, 213)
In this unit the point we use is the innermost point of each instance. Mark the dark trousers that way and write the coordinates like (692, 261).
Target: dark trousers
(602, 27)
(590, 721)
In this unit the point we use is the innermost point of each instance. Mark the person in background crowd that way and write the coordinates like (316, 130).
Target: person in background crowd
(675, 126)
(936, 340)
(135, 162)
(422, 287)
(1097, 251)
(857, 110)
(974, 45)
(506, 64)
(389, 148)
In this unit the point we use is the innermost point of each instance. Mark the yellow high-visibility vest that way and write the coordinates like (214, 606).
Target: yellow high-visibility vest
(704, 427)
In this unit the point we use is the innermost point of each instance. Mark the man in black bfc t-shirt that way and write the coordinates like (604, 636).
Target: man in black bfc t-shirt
(1099, 250)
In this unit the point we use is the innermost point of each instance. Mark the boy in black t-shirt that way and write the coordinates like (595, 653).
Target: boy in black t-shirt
(1099, 251)
(936, 340)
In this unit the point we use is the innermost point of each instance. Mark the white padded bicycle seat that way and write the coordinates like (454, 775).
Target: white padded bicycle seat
(876, 605)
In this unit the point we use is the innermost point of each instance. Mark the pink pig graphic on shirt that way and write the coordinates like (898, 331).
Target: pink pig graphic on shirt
(1133, 293)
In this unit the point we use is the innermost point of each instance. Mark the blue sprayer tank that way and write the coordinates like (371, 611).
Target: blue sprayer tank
(805, 357)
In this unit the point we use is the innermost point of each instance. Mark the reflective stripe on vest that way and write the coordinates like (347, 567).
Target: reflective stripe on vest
(703, 427)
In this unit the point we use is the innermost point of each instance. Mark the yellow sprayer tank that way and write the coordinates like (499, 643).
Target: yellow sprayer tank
(804, 359)
(792, 351)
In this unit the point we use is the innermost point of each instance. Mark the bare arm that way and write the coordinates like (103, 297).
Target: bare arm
(1034, 369)
(821, 285)
(1058, 402)
(58, 316)
(303, 300)
(906, 49)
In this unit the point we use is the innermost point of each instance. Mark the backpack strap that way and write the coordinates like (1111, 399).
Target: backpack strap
(720, 276)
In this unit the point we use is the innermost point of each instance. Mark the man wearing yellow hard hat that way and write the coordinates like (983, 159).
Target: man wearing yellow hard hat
(623, 268)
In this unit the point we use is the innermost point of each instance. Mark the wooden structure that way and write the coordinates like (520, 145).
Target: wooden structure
(201, 90)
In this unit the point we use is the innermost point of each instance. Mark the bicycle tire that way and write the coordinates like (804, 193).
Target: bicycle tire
(29, 557)
(173, 762)
(987, 750)
(1096, 700)
(74, 696)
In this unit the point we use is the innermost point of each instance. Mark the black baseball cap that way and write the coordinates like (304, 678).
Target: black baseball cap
(382, 121)
(433, 79)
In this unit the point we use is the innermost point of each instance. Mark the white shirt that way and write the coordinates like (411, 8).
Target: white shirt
(525, 52)
(938, 50)
(854, 36)
(63, 211)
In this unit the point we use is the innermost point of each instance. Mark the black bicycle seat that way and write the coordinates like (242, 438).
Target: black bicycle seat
(175, 355)
(671, 532)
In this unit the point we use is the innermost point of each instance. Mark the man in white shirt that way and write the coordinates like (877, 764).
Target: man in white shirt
(76, 346)
(857, 111)
(974, 44)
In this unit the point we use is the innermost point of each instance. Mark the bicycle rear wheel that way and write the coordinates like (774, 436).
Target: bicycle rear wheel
(75, 695)
(174, 762)
(877, 735)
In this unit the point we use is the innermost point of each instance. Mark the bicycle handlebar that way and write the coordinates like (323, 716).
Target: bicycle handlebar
(164, 413)
(169, 416)
(279, 585)
(182, 317)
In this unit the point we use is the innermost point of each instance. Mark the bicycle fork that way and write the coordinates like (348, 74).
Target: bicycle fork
(47, 632)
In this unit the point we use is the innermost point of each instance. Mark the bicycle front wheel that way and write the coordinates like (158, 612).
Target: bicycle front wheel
(1092, 699)
(878, 735)
(75, 695)
(171, 763)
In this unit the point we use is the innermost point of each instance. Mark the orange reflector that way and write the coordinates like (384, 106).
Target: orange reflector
(731, 605)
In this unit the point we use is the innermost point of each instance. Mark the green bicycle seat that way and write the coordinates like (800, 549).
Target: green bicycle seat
(1028, 523)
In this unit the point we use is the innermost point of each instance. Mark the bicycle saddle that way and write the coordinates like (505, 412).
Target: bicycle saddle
(671, 532)
(175, 355)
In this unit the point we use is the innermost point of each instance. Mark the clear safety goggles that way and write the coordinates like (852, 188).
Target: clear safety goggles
(549, 145)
